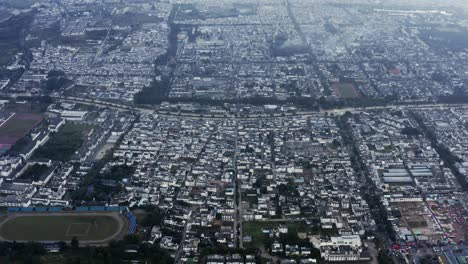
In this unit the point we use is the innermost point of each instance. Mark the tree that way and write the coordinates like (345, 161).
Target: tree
(410, 131)
(75, 243)
(336, 143)
(383, 258)
(153, 217)
(55, 73)
(62, 245)
(13, 252)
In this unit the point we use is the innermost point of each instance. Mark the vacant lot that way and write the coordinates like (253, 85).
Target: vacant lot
(345, 90)
(57, 227)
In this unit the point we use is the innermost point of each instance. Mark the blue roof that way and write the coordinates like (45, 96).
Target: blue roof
(113, 208)
(97, 208)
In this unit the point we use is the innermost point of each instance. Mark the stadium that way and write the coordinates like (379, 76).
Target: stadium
(91, 225)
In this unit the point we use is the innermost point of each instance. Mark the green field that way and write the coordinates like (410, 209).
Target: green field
(59, 227)
(345, 90)
(64, 143)
(254, 229)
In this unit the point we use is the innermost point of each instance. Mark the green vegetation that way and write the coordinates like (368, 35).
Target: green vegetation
(34, 172)
(153, 216)
(224, 250)
(370, 190)
(410, 131)
(157, 93)
(97, 187)
(144, 97)
(114, 253)
(19, 125)
(55, 80)
(12, 34)
(254, 229)
(37, 104)
(21, 252)
(63, 144)
(59, 227)
(445, 154)
(107, 182)
(118, 172)
(93, 188)
(20, 145)
(456, 98)
(384, 258)
(281, 46)
(153, 94)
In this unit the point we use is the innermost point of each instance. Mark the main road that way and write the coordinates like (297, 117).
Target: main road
(336, 111)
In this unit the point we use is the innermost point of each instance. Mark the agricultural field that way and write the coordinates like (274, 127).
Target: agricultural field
(346, 90)
(86, 227)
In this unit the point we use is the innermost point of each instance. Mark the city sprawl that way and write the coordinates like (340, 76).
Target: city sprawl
(234, 131)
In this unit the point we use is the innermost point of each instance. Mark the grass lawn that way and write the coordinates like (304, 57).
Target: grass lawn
(254, 229)
(59, 227)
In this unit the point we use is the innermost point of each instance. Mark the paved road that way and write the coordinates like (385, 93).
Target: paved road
(181, 245)
(187, 225)
(237, 196)
(338, 111)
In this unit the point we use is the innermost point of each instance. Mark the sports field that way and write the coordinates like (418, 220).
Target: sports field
(17, 126)
(64, 226)
(345, 90)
